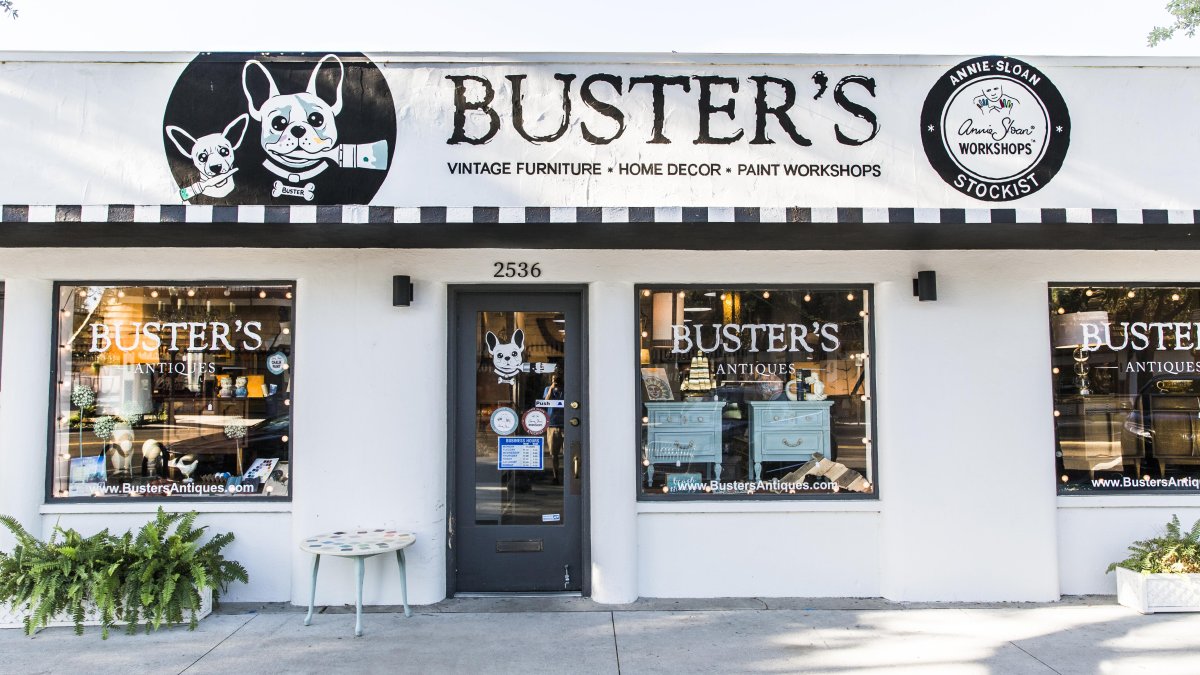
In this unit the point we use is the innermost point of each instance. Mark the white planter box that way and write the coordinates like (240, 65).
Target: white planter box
(1150, 593)
(11, 617)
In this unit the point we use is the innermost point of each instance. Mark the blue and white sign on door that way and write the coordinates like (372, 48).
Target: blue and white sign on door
(520, 453)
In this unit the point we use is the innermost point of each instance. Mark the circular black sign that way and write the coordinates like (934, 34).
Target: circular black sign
(284, 129)
(995, 128)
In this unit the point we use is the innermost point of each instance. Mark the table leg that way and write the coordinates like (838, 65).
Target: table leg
(359, 565)
(403, 581)
(312, 596)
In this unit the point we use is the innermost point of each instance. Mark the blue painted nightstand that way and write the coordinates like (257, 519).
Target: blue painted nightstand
(782, 431)
(682, 432)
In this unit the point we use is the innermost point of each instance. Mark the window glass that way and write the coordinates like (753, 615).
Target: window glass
(172, 390)
(1126, 387)
(754, 391)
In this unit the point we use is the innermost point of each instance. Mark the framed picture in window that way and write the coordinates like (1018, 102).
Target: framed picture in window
(658, 387)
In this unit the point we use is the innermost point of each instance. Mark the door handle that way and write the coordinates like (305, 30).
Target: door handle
(575, 465)
(574, 421)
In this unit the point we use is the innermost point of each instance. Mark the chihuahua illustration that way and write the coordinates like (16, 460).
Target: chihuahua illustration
(299, 131)
(507, 357)
(213, 156)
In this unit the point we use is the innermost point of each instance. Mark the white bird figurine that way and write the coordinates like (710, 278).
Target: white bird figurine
(186, 465)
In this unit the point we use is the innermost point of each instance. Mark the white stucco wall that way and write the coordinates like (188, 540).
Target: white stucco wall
(967, 507)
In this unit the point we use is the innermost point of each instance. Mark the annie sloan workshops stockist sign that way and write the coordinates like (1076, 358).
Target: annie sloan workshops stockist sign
(333, 128)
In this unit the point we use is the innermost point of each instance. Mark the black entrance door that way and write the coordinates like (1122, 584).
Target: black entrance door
(517, 451)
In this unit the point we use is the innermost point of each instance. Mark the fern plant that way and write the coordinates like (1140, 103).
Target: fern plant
(1176, 552)
(168, 569)
(60, 576)
(155, 576)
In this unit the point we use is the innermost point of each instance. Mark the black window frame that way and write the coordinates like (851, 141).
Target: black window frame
(1059, 485)
(706, 498)
(56, 294)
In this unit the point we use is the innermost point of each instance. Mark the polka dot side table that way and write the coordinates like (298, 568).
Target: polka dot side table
(359, 544)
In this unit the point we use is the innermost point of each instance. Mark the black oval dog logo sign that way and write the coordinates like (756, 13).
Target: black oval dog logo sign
(995, 128)
(280, 129)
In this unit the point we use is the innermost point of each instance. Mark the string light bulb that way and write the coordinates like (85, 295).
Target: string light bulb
(850, 296)
(191, 292)
(807, 297)
(154, 294)
(262, 294)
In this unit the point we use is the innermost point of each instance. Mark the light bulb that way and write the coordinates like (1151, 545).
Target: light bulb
(262, 294)
(191, 292)
(1130, 294)
(288, 295)
(154, 294)
(1054, 370)
(766, 294)
(1089, 292)
(287, 331)
(807, 297)
(120, 294)
(1175, 297)
(284, 439)
(849, 296)
(1062, 310)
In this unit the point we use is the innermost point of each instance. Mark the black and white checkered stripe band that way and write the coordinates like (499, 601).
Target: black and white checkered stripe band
(186, 213)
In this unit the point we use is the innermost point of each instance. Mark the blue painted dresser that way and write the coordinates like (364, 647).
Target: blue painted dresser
(681, 432)
(783, 431)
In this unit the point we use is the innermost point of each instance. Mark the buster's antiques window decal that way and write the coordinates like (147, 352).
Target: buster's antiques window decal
(755, 391)
(172, 390)
(1126, 374)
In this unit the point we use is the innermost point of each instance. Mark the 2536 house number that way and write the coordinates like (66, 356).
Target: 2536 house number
(516, 270)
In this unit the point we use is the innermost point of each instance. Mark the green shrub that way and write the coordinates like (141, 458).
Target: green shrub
(154, 576)
(1172, 553)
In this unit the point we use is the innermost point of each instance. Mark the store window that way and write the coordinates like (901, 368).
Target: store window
(762, 391)
(172, 390)
(1124, 363)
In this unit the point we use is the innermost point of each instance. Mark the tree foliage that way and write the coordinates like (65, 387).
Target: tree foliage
(1187, 19)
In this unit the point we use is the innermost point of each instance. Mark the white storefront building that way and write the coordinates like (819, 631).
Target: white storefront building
(693, 249)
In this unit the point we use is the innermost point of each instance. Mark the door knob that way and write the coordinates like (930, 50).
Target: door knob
(574, 421)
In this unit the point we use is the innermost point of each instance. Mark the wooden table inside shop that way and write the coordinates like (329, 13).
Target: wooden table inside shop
(359, 544)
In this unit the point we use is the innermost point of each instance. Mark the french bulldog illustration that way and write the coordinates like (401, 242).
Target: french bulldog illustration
(213, 156)
(506, 357)
(299, 131)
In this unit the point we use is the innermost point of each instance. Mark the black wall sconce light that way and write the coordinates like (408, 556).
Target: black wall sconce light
(925, 286)
(402, 290)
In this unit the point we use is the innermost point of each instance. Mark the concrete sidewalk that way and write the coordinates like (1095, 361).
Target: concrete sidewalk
(572, 635)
